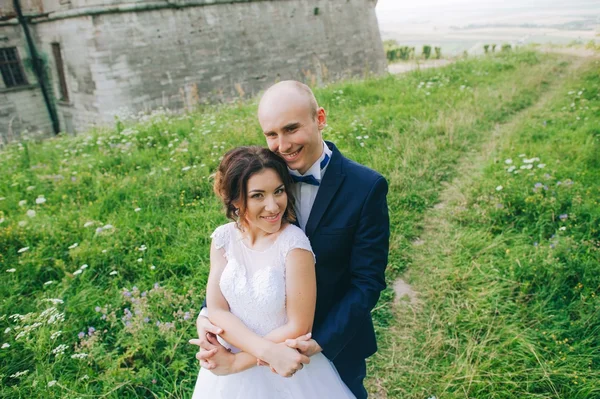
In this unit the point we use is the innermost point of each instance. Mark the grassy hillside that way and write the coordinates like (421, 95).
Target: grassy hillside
(104, 237)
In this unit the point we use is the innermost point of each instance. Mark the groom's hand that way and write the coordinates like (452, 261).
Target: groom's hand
(305, 345)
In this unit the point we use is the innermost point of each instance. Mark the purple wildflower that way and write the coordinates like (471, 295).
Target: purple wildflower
(146, 319)
(186, 315)
(564, 217)
(81, 335)
(91, 330)
(97, 308)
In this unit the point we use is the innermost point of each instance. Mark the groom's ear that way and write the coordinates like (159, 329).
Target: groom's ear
(321, 118)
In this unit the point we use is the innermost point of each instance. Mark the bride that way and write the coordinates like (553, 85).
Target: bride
(261, 289)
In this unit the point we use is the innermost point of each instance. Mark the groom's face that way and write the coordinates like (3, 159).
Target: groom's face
(293, 131)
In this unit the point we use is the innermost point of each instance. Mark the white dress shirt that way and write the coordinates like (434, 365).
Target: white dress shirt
(305, 193)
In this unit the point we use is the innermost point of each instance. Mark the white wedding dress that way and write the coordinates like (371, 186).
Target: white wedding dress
(253, 282)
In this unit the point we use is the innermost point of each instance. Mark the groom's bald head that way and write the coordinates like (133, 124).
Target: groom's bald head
(288, 93)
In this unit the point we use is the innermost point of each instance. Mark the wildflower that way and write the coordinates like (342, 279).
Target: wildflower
(113, 273)
(48, 282)
(88, 224)
(31, 213)
(541, 165)
(22, 202)
(1, 220)
(563, 217)
(5, 345)
(137, 209)
(55, 301)
(154, 380)
(2, 198)
(91, 331)
(22, 223)
(19, 374)
(55, 335)
(40, 200)
(142, 247)
(79, 356)
(108, 227)
(362, 144)
(97, 308)
(186, 168)
(7, 330)
(51, 383)
(77, 272)
(563, 228)
(511, 169)
(11, 270)
(146, 319)
(81, 335)
(30, 188)
(499, 188)
(508, 161)
(538, 185)
(59, 350)
(152, 267)
(84, 266)
(73, 245)
(23, 250)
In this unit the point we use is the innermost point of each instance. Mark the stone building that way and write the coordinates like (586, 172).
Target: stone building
(96, 58)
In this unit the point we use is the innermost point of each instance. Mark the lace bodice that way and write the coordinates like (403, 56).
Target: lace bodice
(253, 282)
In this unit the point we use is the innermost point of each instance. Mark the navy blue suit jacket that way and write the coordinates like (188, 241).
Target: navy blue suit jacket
(349, 231)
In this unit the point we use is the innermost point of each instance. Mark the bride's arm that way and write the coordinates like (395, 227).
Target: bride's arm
(235, 331)
(301, 296)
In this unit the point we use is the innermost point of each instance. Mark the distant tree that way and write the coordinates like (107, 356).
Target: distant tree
(404, 52)
(486, 48)
(438, 52)
(506, 47)
(390, 44)
(426, 51)
(493, 48)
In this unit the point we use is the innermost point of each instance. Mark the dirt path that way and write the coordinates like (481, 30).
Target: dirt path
(402, 67)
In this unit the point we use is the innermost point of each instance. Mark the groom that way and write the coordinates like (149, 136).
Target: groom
(341, 206)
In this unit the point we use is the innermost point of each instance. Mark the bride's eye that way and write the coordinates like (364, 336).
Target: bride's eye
(280, 191)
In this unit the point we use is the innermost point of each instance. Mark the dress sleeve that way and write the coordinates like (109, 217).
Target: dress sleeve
(296, 239)
(221, 237)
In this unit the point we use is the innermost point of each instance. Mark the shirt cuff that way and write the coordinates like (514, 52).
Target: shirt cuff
(204, 312)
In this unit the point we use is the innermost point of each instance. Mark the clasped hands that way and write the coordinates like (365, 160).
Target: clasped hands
(285, 358)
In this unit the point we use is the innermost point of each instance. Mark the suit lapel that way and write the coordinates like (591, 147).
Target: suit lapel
(329, 186)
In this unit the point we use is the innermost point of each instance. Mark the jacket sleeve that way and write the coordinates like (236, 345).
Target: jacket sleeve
(368, 261)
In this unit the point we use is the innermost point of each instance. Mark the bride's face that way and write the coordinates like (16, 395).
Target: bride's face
(266, 201)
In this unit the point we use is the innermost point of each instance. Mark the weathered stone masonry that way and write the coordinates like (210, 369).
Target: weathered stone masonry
(140, 55)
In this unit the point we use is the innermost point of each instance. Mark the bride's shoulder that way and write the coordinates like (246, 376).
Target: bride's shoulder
(294, 238)
(222, 234)
(291, 230)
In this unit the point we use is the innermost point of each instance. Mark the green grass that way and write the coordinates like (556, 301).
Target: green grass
(509, 274)
(150, 180)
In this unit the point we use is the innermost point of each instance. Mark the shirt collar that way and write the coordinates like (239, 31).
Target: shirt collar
(315, 169)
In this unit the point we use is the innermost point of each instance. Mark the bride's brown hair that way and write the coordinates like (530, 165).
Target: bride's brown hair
(237, 167)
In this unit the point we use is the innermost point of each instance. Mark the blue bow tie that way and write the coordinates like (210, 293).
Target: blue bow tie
(310, 179)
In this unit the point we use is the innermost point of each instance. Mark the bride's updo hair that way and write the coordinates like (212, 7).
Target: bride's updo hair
(237, 167)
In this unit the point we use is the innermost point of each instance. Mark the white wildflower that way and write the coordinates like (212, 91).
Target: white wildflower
(23, 250)
(113, 273)
(563, 228)
(152, 267)
(1, 220)
(77, 272)
(511, 169)
(22, 202)
(30, 188)
(541, 165)
(22, 223)
(508, 161)
(84, 266)
(31, 213)
(137, 209)
(51, 383)
(140, 260)
(55, 301)
(60, 349)
(2, 198)
(7, 330)
(48, 282)
(499, 188)
(75, 245)
(40, 200)
(107, 227)
(88, 224)
(55, 334)
(11, 270)
(79, 356)
(186, 168)
(142, 247)
(19, 374)
(5, 345)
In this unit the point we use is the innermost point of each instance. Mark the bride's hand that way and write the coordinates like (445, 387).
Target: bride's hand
(284, 360)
